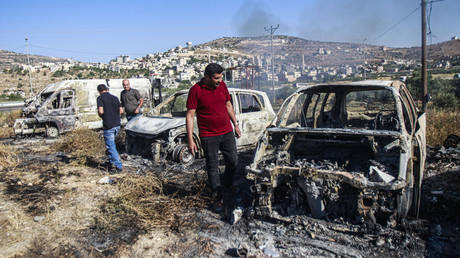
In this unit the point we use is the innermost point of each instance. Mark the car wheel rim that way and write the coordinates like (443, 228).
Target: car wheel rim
(183, 155)
(52, 132)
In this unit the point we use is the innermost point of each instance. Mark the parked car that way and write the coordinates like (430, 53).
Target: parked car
(162, 135)
(353, 150)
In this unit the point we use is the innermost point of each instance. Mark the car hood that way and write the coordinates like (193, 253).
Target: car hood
(153, 125)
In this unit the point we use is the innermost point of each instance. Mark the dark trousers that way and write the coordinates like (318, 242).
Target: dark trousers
(226, 143)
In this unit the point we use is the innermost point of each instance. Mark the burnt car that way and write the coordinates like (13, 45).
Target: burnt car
(162, 135)
(352, 150)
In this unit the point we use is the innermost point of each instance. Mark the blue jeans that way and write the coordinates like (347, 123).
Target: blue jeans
(109, 137)
(131, 116)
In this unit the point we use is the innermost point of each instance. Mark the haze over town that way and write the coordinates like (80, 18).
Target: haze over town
(98, 31)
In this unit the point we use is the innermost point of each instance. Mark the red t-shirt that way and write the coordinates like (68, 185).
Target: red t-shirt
(211, 108)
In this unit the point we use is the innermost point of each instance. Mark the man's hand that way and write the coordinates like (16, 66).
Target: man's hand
(189, 126)
(100, 111)
(192, 147)
(136, 111)
(237, 131)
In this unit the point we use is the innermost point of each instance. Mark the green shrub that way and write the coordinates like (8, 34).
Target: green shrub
(444, 100)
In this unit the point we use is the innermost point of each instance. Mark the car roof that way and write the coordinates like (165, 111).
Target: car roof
(366, 83)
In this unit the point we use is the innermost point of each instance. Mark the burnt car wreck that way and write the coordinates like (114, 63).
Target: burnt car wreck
(162, 135)
(354, 150)
(71, 104)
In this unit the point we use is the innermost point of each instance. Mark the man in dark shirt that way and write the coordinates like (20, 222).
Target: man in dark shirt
(109, 109)
(131, 100)
(209, 99)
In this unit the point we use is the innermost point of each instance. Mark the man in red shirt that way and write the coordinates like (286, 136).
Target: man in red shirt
(210, 101)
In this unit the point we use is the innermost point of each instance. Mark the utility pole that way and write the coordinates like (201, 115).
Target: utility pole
(272, 30)
(365, 61)
(30, 68)
(424, 56)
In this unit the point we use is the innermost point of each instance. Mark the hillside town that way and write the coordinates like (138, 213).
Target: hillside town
(248, 64)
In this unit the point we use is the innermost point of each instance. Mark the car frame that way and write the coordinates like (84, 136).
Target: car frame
(359, 154)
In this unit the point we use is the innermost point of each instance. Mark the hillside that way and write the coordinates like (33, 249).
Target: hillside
(449, 48)
(8, 59)
(331, 53)
(291, 50)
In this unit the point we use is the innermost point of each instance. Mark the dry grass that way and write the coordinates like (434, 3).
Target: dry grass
(441, 123)
(7, 121)
(8, 118)
(6, 132)
(84, 145)
(8, 158)
(142, 202)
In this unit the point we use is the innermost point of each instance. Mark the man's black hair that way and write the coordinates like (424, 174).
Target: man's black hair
(213, 68)
(101, 87)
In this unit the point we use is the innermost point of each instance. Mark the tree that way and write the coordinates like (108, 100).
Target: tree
(445, 100)
(58, 73)
(443, 92)
(183, 85)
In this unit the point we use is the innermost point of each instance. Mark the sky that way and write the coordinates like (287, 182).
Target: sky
(98, 30)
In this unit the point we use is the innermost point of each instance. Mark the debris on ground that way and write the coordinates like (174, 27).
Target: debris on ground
(164, 210)
(106, 180)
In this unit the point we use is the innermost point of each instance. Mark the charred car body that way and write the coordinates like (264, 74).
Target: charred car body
(71, 104)
(353, 150)
(162, 133)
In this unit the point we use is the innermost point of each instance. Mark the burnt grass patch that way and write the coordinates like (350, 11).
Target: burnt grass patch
(146, 202)
(33, 194)
(41, 248)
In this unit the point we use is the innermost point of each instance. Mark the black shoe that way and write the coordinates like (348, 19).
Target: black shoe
(116, 170)
(107, 165)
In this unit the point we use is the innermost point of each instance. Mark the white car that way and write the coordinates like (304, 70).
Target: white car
(162, 133)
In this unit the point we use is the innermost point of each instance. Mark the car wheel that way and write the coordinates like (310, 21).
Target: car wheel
(52, 132)
(404, 199)
(182, 155)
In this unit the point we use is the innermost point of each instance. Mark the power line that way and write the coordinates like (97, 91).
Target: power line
(16, 49)
(394, 25)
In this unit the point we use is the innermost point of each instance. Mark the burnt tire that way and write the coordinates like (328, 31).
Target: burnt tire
(52, 132)
(182, 155)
